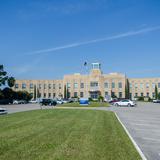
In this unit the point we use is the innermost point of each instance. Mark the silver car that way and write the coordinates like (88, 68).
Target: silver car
(3, 111)
(125, 102)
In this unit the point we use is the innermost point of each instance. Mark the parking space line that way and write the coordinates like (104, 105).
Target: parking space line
(131, 138)
(143, 124)
(151, 139)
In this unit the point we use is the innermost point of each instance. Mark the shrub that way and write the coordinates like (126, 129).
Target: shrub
(100, 98)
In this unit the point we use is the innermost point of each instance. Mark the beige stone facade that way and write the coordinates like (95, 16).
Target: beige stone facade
(91, 85)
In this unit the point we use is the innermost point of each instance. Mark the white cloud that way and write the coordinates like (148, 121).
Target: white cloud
(118, 36)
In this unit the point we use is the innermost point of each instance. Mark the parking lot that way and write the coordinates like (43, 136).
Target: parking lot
(142, 122)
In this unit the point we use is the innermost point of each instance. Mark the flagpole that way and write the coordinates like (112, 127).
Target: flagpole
(86, 70)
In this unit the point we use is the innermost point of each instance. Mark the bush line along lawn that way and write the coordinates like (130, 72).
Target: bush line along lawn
(92, 104)
(64, 135)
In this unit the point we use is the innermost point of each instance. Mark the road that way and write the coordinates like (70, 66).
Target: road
(142, 122)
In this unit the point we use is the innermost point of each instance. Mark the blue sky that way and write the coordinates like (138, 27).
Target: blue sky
(45, 39)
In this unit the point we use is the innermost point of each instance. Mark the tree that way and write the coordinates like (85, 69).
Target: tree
(4, 79)
(1, 94)
(65, 94)
(8, 93)
(156, 92)
(35, 92)
(23, 95)
(127, 91)
(38, 93)
(158, 95)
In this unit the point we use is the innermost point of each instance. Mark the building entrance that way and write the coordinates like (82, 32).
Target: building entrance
(94, 94)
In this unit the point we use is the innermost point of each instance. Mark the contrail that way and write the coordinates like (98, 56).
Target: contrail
(118, 36)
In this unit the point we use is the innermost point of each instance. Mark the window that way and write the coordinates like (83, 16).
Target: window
(44, 86)
(153, 95)
(94, 84)
(136, 85)
(68, 94)
(141, 85)
(96, 66)
(141, 94)
(82, 85)
(153, 85)
(158, 85)
(136, 94)
(75, 85)
(40, 86)
(60, 87)
(81, 94)
(75, 94)
(147, 85)
(112, 94)
(68, 85)
(44, 95)
(120, 85)
(23, 86)
(113, 85)
(49, 86)
(54, 86)
(106, 93)
(16, 86)
(31, 86)
(130, 85)
(54, 95)
(130, 95)
(31, 95)
(120, 94)
(147, 94)
(106, 85)
(49, 95)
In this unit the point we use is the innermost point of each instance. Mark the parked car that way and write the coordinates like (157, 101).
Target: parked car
(3, 111)
(70, 100)
(33, 101)
(113, 101)
(156, 101)
(48, 102)
(19, 102)
(64, 100)
(59, 102)
(125, 102)
(6, 101)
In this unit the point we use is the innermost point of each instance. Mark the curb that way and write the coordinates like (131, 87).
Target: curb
(131, 138)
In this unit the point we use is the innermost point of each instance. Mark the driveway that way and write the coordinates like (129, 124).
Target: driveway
(20, 107)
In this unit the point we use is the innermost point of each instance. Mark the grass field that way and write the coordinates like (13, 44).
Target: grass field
(64, 135)
(92, 104)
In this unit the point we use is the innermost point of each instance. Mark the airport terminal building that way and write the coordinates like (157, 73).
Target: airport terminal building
(91, 85)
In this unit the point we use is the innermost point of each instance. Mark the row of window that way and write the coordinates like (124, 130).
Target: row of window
(31, 86)
(147, 85)
(95, 84)
(142, 94)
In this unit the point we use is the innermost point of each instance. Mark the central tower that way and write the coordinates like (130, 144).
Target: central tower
(96, 69)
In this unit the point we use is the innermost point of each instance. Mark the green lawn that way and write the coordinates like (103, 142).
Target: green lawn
(64, 135)
(92, 104)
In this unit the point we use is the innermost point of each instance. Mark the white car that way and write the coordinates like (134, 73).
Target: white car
(125, 102)
(3, 111)
(33, 101)
(156, 101)
(59, 102)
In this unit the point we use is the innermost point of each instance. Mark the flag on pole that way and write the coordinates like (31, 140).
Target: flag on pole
(85, 63)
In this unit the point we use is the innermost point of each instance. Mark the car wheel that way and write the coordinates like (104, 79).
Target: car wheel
(116, 105)
(129, 105)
